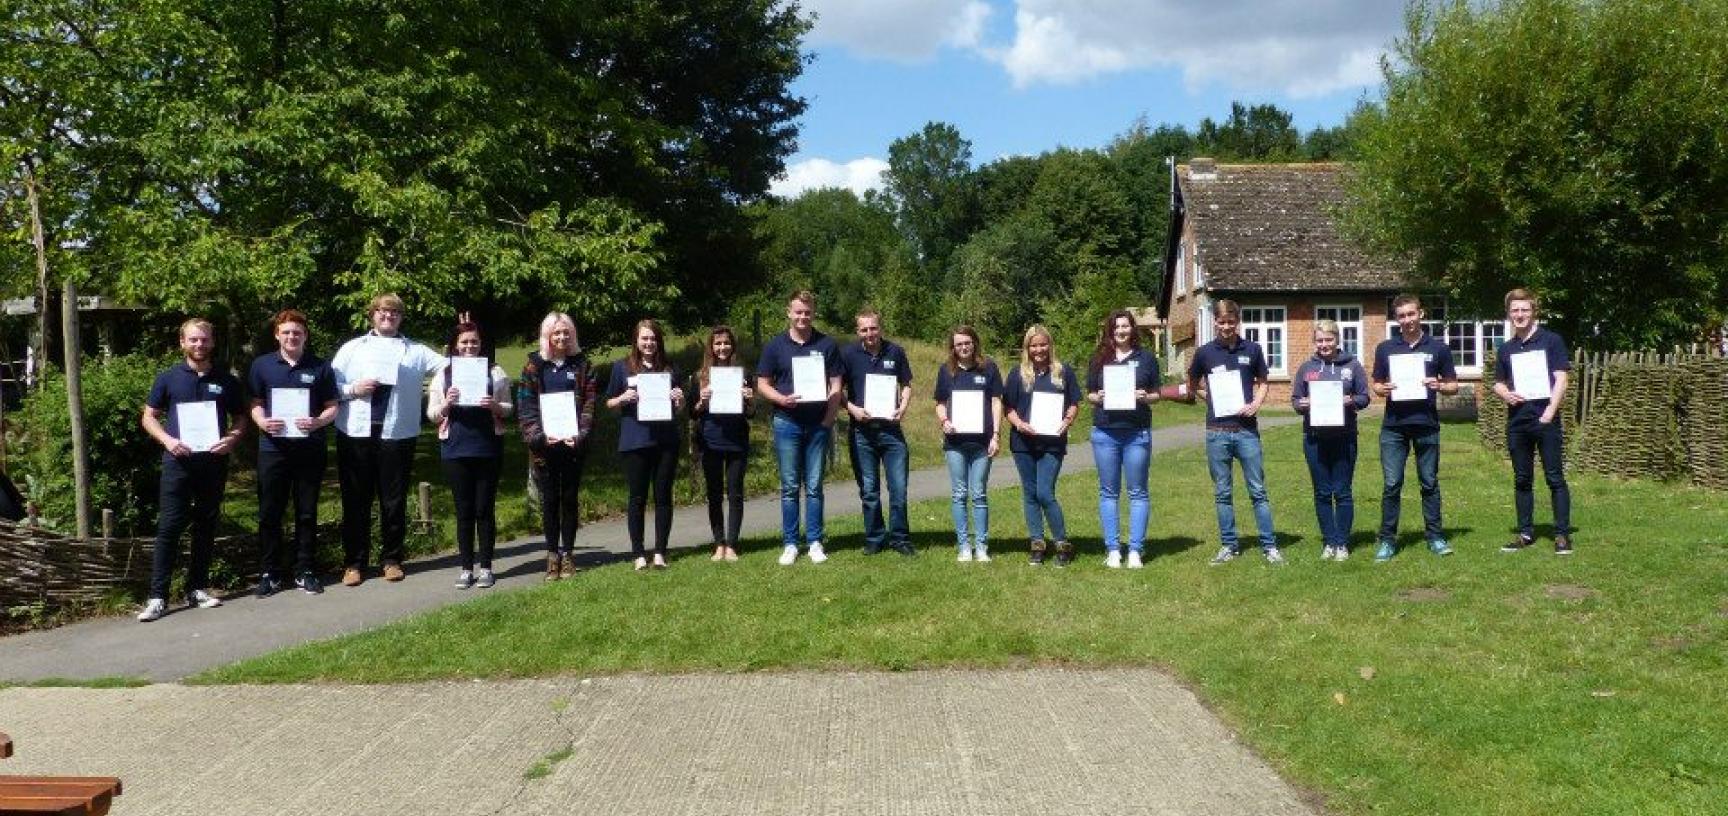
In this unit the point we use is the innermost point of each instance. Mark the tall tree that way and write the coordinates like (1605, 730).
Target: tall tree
(929, 180)
(1260, 133)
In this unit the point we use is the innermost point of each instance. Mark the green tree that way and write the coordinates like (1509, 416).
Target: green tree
(929, 180)
(1573, 147)
(829, 241)
(1259, 133)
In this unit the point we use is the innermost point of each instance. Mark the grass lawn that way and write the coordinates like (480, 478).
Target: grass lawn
(1479, 683)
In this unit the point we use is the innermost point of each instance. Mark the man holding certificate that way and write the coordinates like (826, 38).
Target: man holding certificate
(1041, 400)
(293, 400)
(1231, 371)
(799, 373)
(1328, 391)
(193, 412)
(1409, 371)
(878, 382)
(969, 406)
(1531, 373)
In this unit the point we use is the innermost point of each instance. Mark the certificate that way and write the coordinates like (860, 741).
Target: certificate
(1408, 371)
(358, 421)
(654, 396)
(196, 422)
(1046, 418)
(471, 378)
(810, 378)
(1224, 388)
(966, 411)
(1118, 388)
(289, 404)
(727, 385)
(1530, 378)
(881, 395)
(558, 415)
(381, 361)
(1326, 404)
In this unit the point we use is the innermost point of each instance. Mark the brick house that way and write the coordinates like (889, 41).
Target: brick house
(1267, 236)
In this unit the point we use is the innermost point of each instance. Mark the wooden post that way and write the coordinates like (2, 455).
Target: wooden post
(425, 495)
(73, 351)
(107, 524)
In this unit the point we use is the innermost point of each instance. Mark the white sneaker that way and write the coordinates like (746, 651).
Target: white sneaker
(981, 553)
(816, 554)
(965, 554)
(1134, 560)
(1113, 560)
(485, 581)
(1341, 553)
(153, 609)
(204, 600)
(464, 580)
(788, 555)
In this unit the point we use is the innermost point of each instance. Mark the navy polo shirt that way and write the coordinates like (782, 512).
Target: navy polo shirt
(1436, 362)
(776, 365)
(312, 373)
(726, 433)
(1145, 378)
(857, 363)
(986, 379)
(471, 431)
(1543, 340)
(1247, 360)
(633, 434)
(181, 384)
(563, 376)
(1017, 397)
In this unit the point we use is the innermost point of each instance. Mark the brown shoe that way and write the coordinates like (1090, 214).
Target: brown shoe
(352, 577)
(1064, 553)
(393, 572)
(554, 566)
(1035, 551)
(568, 569)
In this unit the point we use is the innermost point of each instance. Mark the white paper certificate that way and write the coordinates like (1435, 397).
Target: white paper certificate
(727, 385)
(558, 415)
(196, 422)
(471, 379)
(654, 396)
(1530, 378)
(381, 361)
(881, 395)
(289, 404)
(1046, 418)
(1407, 373)
(966, 411)
(358, 421)
(810, 378)
(1224, 390)
(1326, 404)
(1118, 388)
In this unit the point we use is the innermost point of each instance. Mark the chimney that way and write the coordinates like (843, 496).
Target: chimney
(1201, 169)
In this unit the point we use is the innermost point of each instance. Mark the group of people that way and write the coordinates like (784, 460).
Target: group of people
(370, 390)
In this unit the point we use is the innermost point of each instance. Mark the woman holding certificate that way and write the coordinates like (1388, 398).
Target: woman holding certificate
(643, 388)
(969, 406)
(1122, 384)
(1042, 397)
(722, 416)
(555, 404)
(469, 402)
(1328, 391)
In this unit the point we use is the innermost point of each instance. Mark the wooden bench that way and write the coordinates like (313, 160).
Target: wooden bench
(63, 795)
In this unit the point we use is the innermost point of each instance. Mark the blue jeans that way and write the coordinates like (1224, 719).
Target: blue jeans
(1120, 451)
(1395, 447)
(1244, 446)
(1332, 466)
(802, 452)
(879, 450)
(1038, 472)
(969, 481)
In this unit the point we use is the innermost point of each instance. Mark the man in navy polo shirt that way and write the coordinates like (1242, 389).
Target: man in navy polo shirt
(1533, 422)
(878, 446)
(1237, 434)
(1412, 423)
(193, 412)
(291, 451)
(803, 422)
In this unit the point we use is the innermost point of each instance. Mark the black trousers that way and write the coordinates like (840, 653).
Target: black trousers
(723, 473)
(294, 468)
(644, 468)
(371, 469)
(191, 496)
(559, 481)
(474, 490)
(1524, 442)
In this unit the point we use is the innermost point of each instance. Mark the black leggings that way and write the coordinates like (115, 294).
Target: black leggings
(559, 481)
(474, 487)
(658, 464)
(730, 466)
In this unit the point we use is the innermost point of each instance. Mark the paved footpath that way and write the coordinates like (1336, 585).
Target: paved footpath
(189, 641)
(1046, 741)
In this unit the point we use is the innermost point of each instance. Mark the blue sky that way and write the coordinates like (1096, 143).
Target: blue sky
(1025, 76)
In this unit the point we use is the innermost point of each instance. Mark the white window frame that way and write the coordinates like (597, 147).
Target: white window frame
(1258, 322)
(1474, 336)
(1182, 269)
(1345, 325)
(1204, 329)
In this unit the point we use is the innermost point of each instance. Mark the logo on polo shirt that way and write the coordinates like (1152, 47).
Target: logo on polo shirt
(1428, 356)
(571, 375)
(1242, 360)
(888, 364)
(213, 388)
(1347, 375)
(978, 379)
(306, 376)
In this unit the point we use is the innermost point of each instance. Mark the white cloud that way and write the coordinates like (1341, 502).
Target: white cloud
(901, 30)
(858, 175)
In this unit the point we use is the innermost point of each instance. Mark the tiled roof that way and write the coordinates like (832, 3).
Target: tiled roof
(1273, 227)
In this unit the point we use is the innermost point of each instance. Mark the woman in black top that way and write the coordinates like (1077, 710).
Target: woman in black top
(556, 462)
(471, 446)
(649, 447)
(969, 454)
(1038, 451)
(722, 441)
(1122, 439)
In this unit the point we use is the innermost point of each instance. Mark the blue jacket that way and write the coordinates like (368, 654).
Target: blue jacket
(1341, 367)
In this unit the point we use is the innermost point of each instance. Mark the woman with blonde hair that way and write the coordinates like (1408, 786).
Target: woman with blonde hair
(1331, 449)
(1040, 390)
(969, 452)
(555, 463)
